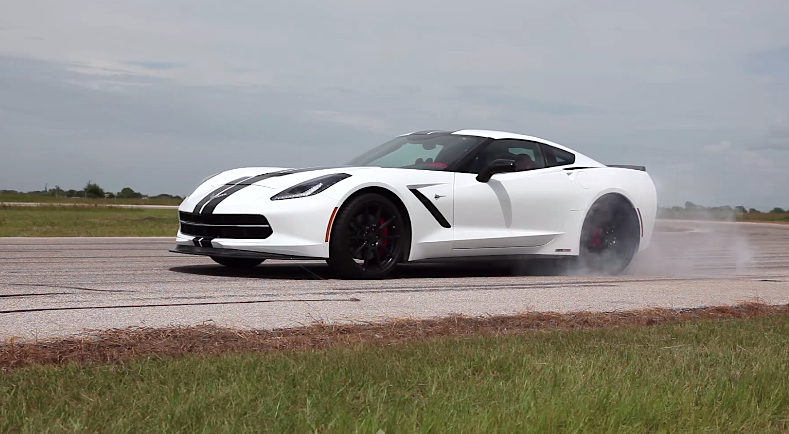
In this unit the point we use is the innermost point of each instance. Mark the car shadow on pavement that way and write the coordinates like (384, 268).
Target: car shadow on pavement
(321, 271)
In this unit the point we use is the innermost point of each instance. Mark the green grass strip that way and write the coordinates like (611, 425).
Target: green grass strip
(726, 376)
(60, 221)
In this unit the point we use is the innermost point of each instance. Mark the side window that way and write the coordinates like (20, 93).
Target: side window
(527, 155)
(557, 157)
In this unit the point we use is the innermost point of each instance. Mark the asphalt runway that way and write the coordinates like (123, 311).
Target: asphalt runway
(54, 287)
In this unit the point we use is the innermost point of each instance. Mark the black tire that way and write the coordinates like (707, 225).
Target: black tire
(237, 262)
(609, 238)
(367, 238)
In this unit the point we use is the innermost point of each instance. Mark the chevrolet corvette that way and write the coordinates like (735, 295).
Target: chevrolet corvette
(427, 196)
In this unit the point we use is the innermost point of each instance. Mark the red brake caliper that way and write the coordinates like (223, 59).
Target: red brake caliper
(597, 237)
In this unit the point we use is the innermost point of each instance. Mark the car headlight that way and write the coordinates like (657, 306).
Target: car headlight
(311, 187)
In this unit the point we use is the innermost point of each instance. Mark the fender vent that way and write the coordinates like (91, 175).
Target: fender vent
(431, 208)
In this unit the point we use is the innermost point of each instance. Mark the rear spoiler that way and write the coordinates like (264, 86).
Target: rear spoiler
(627, 166)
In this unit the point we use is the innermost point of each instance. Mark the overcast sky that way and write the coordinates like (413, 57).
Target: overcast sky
(156, 95)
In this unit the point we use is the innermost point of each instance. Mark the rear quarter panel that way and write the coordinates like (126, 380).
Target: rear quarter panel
(635, 185)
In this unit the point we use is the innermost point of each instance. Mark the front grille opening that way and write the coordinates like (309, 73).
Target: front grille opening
(239, 226)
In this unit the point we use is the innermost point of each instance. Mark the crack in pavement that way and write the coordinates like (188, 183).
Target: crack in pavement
(33, 295)
(352, 299)
(47, 285)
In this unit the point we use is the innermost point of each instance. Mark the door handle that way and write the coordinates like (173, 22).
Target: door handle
(439, 196)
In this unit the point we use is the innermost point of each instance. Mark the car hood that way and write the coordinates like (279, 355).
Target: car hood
(275, 177)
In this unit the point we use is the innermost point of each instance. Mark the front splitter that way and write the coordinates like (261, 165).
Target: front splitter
(235, 253)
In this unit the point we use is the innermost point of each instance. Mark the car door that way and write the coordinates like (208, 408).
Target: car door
(525, 208)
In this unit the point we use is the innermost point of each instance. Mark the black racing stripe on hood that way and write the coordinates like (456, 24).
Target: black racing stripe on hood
(251, 180)
(212, 202)
(218, 190)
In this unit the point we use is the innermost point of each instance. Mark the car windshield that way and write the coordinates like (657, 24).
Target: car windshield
(419, 151)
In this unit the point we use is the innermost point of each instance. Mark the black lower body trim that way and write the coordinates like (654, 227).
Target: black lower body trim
(235, 253)
(431, 208)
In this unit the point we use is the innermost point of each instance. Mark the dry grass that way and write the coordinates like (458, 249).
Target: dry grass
(123, 345)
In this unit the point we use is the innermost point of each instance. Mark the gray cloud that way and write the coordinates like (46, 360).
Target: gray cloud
(157, 65)
(123, 97)
(773, 62)
(774, 138)
(59, 127)
(777, 137)
(500, 96)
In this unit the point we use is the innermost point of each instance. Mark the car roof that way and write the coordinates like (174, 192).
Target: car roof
(495, 134)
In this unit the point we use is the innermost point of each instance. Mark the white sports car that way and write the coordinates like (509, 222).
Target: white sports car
(427, 195)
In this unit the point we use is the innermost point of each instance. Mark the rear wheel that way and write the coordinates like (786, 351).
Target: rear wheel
(610, 237)
(237, 262)
(367, 238)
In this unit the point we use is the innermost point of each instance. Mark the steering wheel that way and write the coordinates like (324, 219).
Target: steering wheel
(429, 162)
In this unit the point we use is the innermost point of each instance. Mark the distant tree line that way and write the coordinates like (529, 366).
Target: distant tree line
(90, 191)
(689, 211)
(726, 212)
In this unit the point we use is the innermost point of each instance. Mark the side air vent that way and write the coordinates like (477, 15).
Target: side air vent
(431, 208)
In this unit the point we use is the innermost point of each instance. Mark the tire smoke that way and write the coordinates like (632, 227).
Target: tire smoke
(696, 248)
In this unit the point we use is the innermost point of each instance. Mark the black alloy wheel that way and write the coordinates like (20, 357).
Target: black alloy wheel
(237, 262)
(609, 238)
(367, 238)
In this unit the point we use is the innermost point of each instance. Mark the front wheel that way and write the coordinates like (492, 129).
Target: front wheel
(367, 238)
(237, 262)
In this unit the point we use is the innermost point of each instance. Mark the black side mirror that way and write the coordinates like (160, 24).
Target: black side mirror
(496, 166)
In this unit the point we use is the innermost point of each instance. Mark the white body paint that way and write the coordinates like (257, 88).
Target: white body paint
(535, 212)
